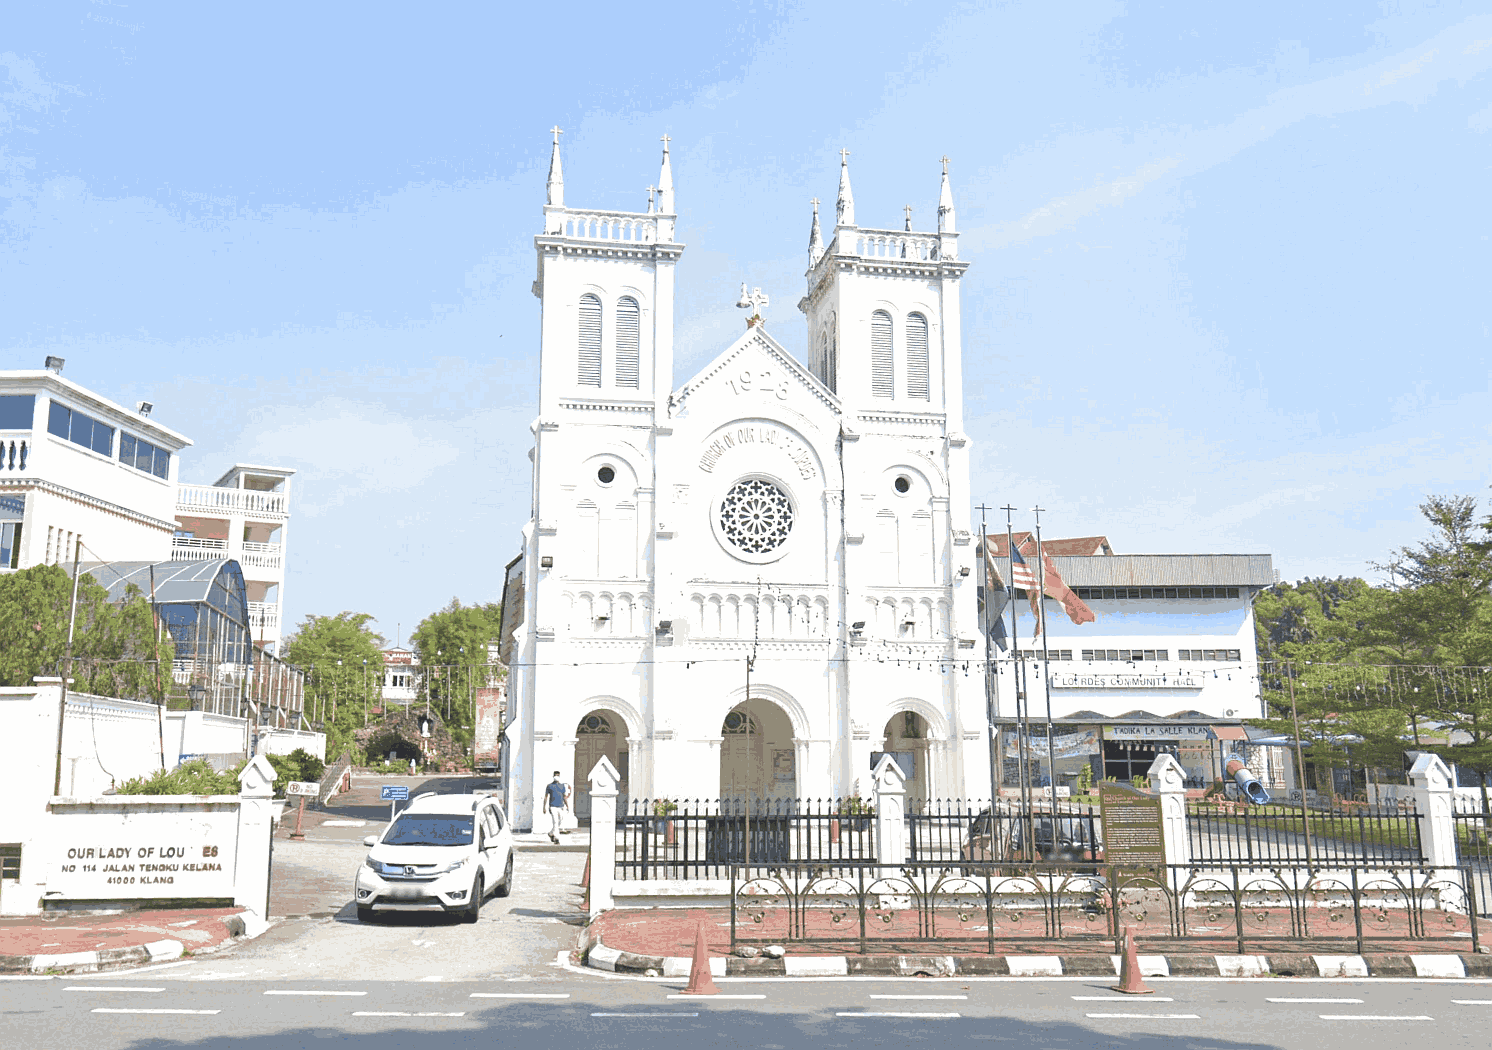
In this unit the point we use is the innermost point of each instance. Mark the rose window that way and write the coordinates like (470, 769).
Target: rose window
(756, 516)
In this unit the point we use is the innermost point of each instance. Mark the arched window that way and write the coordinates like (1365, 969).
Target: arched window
(627, 342)
(589, 372)
(882, 375)
(917, 369)
(833, 361)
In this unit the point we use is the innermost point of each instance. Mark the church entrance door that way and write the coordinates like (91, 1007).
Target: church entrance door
(757, 757)
(599, 733)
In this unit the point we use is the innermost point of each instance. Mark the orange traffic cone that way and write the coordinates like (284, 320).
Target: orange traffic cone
(701, 981)
(1129, 970)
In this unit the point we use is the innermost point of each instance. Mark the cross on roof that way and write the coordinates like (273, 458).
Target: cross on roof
(665, 140)
(556, 131)
(945, 164)
(844, 156)
(908, 210)
(814, 202)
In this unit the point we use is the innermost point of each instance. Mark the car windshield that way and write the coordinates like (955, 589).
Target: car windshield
(429, 829)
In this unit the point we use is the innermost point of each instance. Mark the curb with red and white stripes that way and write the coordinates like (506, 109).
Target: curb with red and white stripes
(601, 957)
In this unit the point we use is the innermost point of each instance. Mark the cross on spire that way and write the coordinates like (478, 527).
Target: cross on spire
(945, 164)
(844, 156)
(908, 210)
(556, 131)
(665, 140)
(815, 202)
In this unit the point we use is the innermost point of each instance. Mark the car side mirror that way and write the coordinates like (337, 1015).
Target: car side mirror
(371, 840)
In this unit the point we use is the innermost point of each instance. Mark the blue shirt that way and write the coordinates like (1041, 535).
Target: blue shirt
(555, 792)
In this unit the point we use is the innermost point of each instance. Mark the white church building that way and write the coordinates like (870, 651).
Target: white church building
(715, 572)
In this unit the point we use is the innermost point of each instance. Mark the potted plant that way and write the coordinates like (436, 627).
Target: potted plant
(663, 810)
(853, 812)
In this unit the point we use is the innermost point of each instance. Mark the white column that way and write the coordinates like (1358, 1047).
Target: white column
(891, 812)
(1430, 781)
(603, 781)
(256, 788)
(1169, 779)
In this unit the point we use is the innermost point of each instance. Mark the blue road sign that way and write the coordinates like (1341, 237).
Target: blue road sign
(393, 793)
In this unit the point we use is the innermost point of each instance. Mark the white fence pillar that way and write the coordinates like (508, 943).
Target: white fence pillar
(1430, 781)
(256, 789)
(1168, 779)
(891, 812)
(603, 779)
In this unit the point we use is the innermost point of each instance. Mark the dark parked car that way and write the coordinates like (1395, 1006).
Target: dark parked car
(1063, 837)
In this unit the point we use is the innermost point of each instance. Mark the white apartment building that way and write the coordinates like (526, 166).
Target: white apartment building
(401, 669)
(74, 464)
(244, 515)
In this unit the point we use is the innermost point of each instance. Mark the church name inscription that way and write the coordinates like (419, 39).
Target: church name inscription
(173, 871)
(1126, 681)
(757, 436)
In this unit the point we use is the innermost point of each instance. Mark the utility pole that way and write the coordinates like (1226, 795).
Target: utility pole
(1022, 730)
(67, 663)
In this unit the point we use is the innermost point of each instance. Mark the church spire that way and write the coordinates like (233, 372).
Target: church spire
(665, 183)
(844, 208)
(946, 222)
(555, 191)
(815, 237)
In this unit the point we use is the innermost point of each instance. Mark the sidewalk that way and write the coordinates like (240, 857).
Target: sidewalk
(70, 942)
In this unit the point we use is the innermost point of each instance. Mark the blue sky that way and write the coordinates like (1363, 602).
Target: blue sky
(1230, 262)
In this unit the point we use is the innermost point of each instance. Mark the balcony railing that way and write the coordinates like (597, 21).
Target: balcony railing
(15, 452)
(244, 501)
(264, 614)
(252, 560)
(201, 544)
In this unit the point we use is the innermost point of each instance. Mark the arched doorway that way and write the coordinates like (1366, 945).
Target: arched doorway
(906, 735)
(757, 757)
(598, 733)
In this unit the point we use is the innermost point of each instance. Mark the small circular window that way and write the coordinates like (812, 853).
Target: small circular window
(606, 475)
(903, 484)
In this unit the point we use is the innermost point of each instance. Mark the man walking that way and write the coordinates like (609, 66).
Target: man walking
(557, 799)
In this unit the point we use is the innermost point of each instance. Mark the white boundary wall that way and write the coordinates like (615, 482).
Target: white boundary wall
(284, 741)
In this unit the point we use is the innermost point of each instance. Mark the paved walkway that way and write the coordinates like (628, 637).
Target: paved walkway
(67, 933)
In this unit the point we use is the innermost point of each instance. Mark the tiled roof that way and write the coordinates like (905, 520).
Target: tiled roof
(1074, 547)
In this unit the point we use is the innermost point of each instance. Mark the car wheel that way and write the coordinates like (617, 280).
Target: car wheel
(364, 914)
(505, 887)
(473, 910)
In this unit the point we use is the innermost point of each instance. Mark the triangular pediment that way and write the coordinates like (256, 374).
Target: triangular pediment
(749, 354)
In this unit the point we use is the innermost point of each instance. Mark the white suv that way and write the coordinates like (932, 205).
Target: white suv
(443, 852)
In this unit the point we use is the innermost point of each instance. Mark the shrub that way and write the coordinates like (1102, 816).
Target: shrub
(298, 765)
(196, 777)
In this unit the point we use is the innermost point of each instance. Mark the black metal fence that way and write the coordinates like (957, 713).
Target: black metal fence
(1356, 834)
(957, 829)
(989, 905)
(703, 838)
(1473, 824)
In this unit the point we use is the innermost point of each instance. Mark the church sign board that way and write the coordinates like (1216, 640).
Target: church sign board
(1126, 681)
(1132, 832)
(142, 847)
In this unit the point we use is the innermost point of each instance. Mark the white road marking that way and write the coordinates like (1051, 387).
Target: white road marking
(26, 977)
(134, 973)
(1375, 1017)
(311, 991)
(686, 995)
(1154, 1017)
(110, 988)
(919, 997)
(520, 995)
(121, 1010)
(1313, 1000)
(1472, 1002)
(1118, 999)
(404, 1013)
(890, 1013)
(656, 1013)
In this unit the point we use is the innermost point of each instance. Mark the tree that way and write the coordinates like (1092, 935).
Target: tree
(343, 661)
(117, 647)
(452, 647)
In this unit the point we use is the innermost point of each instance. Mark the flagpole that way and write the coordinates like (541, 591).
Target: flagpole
(991, 704)
(1017, 674)
(1046, 661)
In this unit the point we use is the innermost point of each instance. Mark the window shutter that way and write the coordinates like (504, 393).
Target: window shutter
(627, 343)
(882, 377)
(590, 341)
(917, 368)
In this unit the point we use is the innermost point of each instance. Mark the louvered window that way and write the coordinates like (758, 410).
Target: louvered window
(627, 342)
(882, 375)
(917, 385)
(589, 373)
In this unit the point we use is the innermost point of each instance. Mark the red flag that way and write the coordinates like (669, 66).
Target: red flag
(1077, 611)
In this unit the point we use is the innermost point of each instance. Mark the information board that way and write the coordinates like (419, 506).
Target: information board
(1132, 833)
(393, 792)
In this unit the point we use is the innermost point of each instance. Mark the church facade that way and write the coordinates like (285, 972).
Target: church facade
(744, 585)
